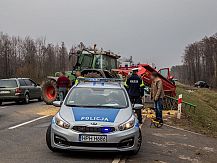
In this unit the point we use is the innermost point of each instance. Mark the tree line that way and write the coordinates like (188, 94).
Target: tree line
(199, 62)
(26, 57)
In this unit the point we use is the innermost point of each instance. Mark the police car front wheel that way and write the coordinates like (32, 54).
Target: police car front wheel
(48, 140)
(139, 143)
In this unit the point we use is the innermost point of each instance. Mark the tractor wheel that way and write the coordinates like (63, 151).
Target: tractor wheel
(49, 91)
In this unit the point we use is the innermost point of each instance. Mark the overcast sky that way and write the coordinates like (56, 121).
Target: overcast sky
(150, 30)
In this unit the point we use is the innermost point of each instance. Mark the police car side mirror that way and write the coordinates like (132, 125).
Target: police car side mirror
(57, 103)
(137, 106)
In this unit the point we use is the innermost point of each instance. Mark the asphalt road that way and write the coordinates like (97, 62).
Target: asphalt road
(22, 139)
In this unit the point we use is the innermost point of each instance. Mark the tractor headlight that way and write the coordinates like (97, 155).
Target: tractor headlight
(61, 122)
(128, 124)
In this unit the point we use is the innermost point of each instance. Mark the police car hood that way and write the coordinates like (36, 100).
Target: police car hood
(85, 115)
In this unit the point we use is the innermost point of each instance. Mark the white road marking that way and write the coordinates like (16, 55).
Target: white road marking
(208, 149)
(193, 160)
(157, 144)
(25, 123)
(123, 160)
(3, 107)
(181, 129)
(116, 160)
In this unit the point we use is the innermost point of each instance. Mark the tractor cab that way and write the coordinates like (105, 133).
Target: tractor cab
(91, 62)
(93, 59)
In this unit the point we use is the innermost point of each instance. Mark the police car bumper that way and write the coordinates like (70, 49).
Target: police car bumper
(117, 141)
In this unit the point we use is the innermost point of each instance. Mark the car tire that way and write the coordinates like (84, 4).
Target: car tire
(26, 99)
(0, 103)
(48, 140)
(139, 140)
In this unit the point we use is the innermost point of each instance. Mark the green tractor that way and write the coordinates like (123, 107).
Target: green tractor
(91, 63)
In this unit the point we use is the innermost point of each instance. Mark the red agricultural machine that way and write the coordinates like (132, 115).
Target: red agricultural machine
(145, 72)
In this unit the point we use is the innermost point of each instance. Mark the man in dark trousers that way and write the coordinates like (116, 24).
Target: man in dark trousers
(157, 95)
(63, 83)
(135, 88)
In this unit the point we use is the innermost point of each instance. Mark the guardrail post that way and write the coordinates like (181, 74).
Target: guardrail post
(179, 106)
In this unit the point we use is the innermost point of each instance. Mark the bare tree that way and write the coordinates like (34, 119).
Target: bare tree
(199, 62)
(31, 58)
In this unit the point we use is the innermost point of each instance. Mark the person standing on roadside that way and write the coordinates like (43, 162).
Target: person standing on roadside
(63, 83)
(135, 88)
(77, 75)
(157, 95)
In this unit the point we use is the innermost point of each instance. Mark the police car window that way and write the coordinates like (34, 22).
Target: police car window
(97, 97)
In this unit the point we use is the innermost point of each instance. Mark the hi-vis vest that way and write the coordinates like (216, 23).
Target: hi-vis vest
(77, 80)
(135, 85)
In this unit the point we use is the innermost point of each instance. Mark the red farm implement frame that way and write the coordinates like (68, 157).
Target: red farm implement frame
(146, 70)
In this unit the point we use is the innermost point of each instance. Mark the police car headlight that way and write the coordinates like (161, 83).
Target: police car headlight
(128, 124)
(61, 122)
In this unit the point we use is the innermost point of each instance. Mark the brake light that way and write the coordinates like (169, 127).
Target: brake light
(18, 91)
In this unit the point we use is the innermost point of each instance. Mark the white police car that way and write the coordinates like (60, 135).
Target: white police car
(96, 115)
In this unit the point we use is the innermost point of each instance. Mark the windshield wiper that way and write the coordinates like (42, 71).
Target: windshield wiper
(72, 105)
(101, 106)
(113, 107)
(92, 106)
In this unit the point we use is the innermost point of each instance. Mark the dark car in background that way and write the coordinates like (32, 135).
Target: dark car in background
(201, 84)
(19, 90)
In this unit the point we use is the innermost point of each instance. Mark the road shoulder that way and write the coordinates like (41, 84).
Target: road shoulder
(172, 145)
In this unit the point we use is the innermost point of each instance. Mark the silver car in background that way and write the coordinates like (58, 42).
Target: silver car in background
(95, 116)
(19, 90)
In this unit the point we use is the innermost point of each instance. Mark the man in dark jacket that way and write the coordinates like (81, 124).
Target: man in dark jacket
(135, 88)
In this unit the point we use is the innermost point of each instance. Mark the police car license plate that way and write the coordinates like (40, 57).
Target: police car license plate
(93, 138)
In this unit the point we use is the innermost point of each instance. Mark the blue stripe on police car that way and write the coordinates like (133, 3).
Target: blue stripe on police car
(94, 114)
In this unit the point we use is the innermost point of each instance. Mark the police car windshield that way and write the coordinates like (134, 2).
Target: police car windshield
(97, 97)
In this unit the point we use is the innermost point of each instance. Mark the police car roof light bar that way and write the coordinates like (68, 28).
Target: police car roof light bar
(102, 80)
